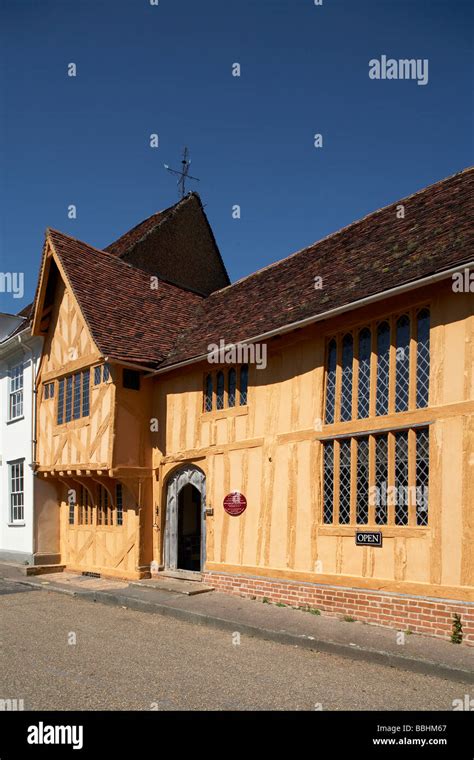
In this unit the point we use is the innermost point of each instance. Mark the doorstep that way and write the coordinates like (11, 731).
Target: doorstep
(15, 568)
(183, 575)
(175, 585)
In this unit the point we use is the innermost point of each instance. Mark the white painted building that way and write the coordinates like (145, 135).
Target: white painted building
(19, 358)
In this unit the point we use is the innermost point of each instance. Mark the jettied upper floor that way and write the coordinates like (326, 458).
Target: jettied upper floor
(108, 317)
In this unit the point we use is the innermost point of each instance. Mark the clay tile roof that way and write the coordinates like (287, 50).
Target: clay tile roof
(127, 241)
(131, 322)
(133, 236)
(128, 320)
(370, 256)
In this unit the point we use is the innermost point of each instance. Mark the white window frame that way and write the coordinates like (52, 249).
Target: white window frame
(15, 391)
(14, 492)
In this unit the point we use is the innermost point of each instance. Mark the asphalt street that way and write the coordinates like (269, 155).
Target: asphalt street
(62, 653)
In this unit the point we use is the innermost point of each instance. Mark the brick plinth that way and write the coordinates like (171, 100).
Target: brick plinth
(419, 614)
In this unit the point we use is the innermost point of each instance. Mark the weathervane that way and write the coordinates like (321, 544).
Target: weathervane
(183, 175)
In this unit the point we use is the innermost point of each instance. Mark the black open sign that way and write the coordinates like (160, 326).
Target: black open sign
(365, 538)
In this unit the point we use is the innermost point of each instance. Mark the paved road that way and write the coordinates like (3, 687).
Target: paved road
(136, 661)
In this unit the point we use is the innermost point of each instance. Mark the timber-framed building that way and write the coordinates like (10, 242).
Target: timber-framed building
(352, 444)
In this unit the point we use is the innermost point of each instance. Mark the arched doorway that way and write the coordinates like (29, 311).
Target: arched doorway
(185, 528)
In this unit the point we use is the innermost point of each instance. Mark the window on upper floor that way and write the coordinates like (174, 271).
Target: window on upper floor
(131, 379)
(208, 393)
(370, 371)
(232, 387)
(73, 397)
(225, 388)
(392, 491)
(101, 374)
(244, 382)
(364, 351)
(15, 400)
(383, 368)
(48, 391)
(422, 357)
(220, 390)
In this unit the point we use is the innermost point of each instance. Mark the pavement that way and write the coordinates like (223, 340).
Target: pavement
(252, 618)
(61, 653)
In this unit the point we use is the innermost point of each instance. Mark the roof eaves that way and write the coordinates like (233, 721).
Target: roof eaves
(320, 316)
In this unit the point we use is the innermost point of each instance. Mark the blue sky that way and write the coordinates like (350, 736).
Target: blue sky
(167, 69)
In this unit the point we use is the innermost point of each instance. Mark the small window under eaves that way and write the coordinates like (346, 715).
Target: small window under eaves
(131, 379)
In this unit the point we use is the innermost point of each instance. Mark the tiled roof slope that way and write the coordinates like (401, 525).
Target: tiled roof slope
(131, 322)
(128, 320)
(177, 245)
(124, 243)
(370, 256)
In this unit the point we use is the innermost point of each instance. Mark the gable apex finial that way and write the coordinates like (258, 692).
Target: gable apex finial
(183, 174)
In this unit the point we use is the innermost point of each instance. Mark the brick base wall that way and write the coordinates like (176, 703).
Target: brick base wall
(418, 614)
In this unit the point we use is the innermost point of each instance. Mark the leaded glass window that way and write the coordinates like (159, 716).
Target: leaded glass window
(362, 516)
(423, 358)
(372, 488)
(48, 390)
(208, 394)
(383, 368)
(331, 382)
(402, 365)
(77, 396)
(232, 386)
(60, 417)
(85, 392)
(363, 391)
(220, 391)
(422, 475)
(381, 479)
(346, 387)
(345, 482)
(68, 412)
(328, 479)
(401, 478)
(244, 378)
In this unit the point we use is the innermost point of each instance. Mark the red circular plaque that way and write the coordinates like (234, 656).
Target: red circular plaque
(235, 503)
